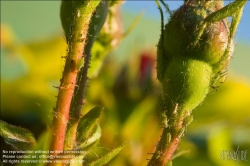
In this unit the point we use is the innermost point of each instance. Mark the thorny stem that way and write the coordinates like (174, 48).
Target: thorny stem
(77, 104)
(81, 15)
(82, 79)
(171, 136)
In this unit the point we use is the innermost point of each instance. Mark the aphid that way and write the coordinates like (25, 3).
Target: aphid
(78, 13)
(168, 137)
(188, 120)
(164, 122)
(181, 132)
(220, 78)
(80, 64)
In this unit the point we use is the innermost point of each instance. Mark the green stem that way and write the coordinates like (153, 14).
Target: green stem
(226, 11)
(173, 130)
(80, 12)
(234, 24)
(167, 8)
(95, 26)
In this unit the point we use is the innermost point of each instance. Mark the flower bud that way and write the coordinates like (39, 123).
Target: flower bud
(186, 83)
(186, 62)
(181, 31)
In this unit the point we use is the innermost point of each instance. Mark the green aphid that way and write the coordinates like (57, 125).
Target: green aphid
(188, 120)
(181, 132)
(168, 137)
(80, 64)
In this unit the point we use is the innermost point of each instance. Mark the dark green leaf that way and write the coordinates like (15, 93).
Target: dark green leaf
(92, 140)
(17, 137)
(87, 124)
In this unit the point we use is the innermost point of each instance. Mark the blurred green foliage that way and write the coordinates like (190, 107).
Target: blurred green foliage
(127, 88)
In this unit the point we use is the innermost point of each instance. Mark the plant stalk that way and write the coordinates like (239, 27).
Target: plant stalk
(82, 78)
(80, 15)
(174, 129)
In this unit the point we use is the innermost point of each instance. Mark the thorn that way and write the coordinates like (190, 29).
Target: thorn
(150, 153)
(71, 118)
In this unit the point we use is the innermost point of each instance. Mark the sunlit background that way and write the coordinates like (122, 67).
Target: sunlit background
(32, 45)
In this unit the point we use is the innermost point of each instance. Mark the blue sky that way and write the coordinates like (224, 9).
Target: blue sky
(150, 10)
(20, 14)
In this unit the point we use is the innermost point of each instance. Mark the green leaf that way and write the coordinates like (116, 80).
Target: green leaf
(92, 140)
(87, 124)
(180, 153)
(17, 137)
(109, 156)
